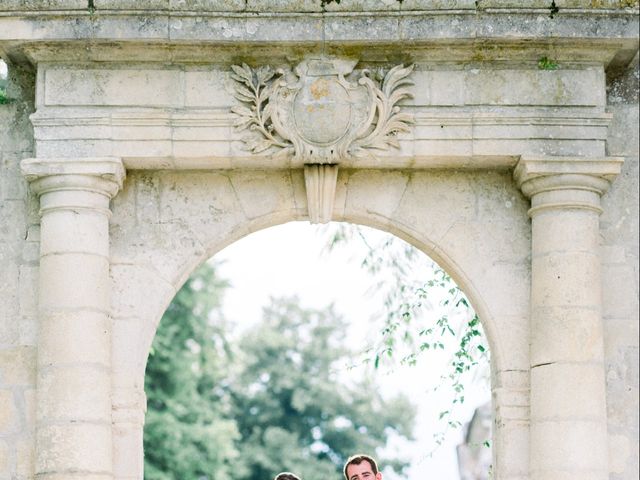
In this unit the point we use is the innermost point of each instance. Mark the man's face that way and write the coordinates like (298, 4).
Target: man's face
(362, 471)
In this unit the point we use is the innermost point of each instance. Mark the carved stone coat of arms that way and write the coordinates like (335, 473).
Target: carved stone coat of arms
(316, 114)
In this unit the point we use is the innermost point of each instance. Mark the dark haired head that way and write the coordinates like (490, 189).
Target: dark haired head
(357, 460)
(286, 476)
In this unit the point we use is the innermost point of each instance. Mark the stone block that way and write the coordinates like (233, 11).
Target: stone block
(5, 459)
(140, 87)
(262, 194)
(567, 391)
(589, 3)
(535, 87)
(139, 292)
(207, 28)
(361, 191)
(9, 416)
(84, 286)
(434, 27)
(208, 5)
(619, 282)
(566, 280)
(75, 148)
(84, 335)
(25, 457)
(127, 345)
(131, 4)
(345, 29)
(363, 6)
(511, 439)
(284, 6)
(576, 231)
(144, 27)
(66, 231)
(301, 29)
(624, 138)
(12, 184)
(573, 448)
(621, 451)
(75, 393)
(438, 88)
(426, 5)
(18, 366)
(29, 398)
(28, 330)
(72, 447)
(511, 349)
(209, 88)
(483, 4)
(12, 5)
(565, 335)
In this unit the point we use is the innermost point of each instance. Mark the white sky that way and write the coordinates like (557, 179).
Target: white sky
(286, 260)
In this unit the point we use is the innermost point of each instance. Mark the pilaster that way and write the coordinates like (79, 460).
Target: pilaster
(74, 406)
(568, 401)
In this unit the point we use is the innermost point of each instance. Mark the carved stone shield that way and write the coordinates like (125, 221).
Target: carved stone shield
(318, 115)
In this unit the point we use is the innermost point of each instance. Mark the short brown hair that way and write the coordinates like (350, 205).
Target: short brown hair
(286, 476)
(357, 460)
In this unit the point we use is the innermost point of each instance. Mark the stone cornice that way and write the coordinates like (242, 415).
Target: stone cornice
(459, 34)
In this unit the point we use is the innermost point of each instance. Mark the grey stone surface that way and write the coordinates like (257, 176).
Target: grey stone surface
(619, 226)
(148, 82)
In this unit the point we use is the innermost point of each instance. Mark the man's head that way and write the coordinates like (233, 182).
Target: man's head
(361, 467)
(286, 476)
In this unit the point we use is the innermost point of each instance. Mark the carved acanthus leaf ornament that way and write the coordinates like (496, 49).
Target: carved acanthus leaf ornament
(315, 114)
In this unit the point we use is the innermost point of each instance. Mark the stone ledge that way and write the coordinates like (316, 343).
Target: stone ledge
(310, 5)
(603, 37)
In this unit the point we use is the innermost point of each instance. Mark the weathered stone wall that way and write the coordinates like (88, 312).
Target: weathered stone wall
(18, 282)
(619, 226)
(147, 82)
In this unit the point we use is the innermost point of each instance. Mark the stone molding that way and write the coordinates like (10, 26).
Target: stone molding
(566, 182)
(320, 182)
(101, 175)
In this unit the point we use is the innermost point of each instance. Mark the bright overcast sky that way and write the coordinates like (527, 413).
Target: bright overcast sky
(287, 260)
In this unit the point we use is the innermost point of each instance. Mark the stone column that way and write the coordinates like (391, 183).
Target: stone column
(568, 400)
(74, 407)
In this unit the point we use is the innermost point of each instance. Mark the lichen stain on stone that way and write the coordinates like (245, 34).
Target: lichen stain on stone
(319, 89)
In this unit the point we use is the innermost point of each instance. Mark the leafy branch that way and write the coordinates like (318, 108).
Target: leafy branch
(410, 329)
(254, 87)
(386, 115)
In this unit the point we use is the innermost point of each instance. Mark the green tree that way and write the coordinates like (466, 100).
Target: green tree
(297, 409)
(189, 433)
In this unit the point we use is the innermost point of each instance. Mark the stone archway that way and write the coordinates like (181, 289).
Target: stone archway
(138, 94)
(491, 289)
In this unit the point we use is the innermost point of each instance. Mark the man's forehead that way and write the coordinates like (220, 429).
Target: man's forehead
(362, 467)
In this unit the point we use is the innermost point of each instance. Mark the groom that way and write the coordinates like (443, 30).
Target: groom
(361, 467)
(286, 476)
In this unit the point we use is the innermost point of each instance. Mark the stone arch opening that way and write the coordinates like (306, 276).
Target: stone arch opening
(265, 223)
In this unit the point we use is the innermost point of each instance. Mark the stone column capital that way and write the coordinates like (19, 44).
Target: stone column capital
(566, 182)
(103, 175)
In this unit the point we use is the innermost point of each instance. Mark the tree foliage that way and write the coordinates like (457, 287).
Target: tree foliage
(188, 432)
(425, 311)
